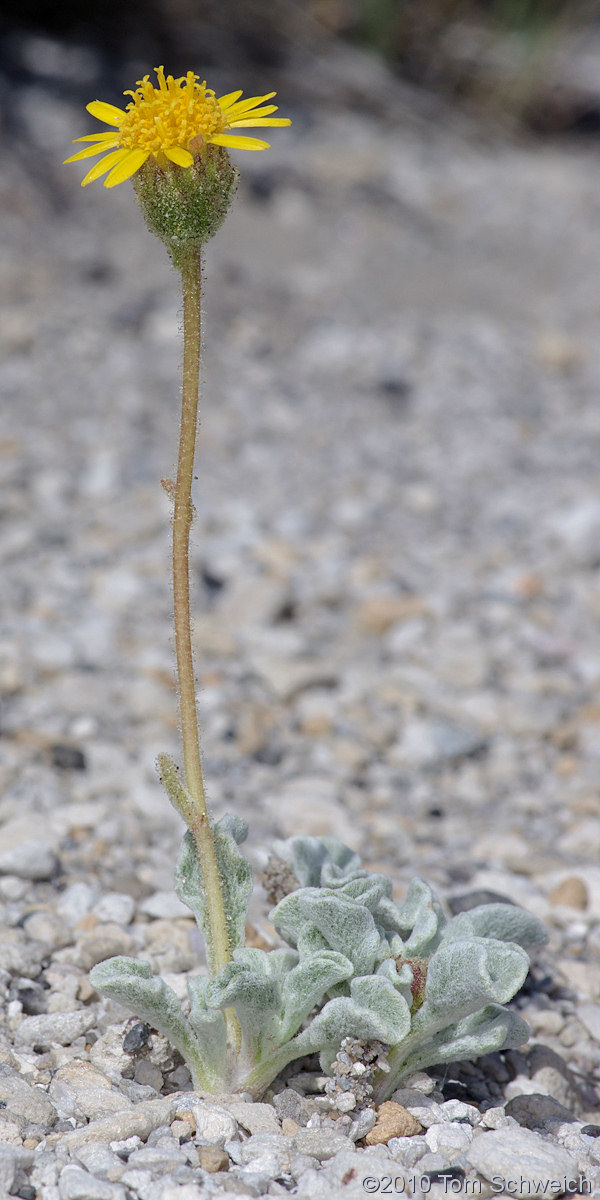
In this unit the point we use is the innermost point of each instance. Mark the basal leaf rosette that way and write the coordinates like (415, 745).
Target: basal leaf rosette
(357, 964)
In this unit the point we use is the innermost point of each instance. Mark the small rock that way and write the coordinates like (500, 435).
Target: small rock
(148, 1074)
(79, 1089)
(22, 1100)
(408, 1150)
(321, 1143)
(213, 1158)
(377, 614)
(29, 859)
(492, 1152)
(164, 905)
(77, 1184)
(76, 901)
(429, 743)
(213, 1124)
(255, 1118)
(289, 1103)
(101, 1161)
(104, 941)
(393, 1120)
(495, 1118)
(116, 907)
(136, 1038)
(13, 1161)
(67, 758)
(49, 928)
(49, 1028)
(552, 1076)
(138, 1121)
(572, 891)
(450, 1139)
(362, 1124)
(289, 1127)
(538, 1111)
(589, 1015)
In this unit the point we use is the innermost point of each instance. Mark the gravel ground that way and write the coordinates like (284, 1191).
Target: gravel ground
(396, 559)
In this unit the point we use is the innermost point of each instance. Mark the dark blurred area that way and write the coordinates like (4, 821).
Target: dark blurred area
(527, 63)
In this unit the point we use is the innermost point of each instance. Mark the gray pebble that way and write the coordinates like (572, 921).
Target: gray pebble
(25, 1101)
(29, 860)
(60, 1027)
(256, 1118)
(408, 1150)
(589, 1015)
(538, 1111)
(289, 1103)
(449, 1139)
(363, 1124)
(135, 1122)
(148, 1074)
(75, 902)
(77, 1184)
(117, 907)
(320, 1143)
(506, 1151)
(13, 1161)
(213, 1124)
(101, 1161)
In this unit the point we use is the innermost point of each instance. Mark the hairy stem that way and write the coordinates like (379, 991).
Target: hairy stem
(197, 819)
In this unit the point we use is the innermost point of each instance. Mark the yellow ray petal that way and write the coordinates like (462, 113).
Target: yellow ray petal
(237, 142)
(127, 167)
(260, 121)
(243, 105)
(258, 112)
(96, 137)
(108, 113)
(178, 155)
(91, 150)
(105, 164)
(229, 99)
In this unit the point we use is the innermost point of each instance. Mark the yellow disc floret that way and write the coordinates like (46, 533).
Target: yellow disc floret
(174, 114)
(171, 122)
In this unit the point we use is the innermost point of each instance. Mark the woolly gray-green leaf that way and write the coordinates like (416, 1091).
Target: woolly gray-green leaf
(463, 976)
(368, 890)
(209, 1026)
(344, 924)
(308, 856)
(236, 882)
(248, 987)
(490, 1029)
(419, 920)
(133, 985)
(504, 922)
(307, 983)
(373, 1011)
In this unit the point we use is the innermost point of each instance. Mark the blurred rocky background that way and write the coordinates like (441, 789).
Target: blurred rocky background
(396, 555)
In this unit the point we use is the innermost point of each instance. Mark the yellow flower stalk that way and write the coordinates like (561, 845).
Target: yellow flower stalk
(172, 141)
(171, 123)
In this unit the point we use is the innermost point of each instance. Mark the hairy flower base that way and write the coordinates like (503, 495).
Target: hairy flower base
(430, 988)
(186, 208)
(171, 124)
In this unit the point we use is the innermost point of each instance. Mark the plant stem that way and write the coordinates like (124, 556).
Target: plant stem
(182, 519)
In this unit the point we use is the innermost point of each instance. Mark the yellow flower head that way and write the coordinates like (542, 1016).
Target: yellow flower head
(171, 122)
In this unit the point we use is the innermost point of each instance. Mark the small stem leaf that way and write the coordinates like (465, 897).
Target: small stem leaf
(236, 882)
